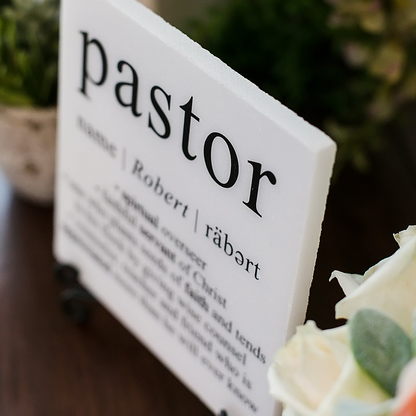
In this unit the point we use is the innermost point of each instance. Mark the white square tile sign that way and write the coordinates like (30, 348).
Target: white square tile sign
(190, 201)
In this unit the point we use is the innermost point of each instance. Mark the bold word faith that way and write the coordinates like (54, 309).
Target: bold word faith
(127, 95)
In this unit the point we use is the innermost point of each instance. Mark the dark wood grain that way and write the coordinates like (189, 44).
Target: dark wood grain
(49, 366)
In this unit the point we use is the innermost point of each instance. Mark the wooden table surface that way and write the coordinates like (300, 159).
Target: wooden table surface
(49, 366)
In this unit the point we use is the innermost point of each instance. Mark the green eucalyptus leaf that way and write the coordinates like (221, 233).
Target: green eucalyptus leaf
(414, 334)
(380, 346)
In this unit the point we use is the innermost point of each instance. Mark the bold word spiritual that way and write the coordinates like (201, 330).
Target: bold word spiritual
(127, 95)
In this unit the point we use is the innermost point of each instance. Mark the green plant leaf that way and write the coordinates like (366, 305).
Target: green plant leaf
(380, 347)
(414, 334)
(29, 33)
(13, 98)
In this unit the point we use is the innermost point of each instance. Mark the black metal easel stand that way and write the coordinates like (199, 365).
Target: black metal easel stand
(75, 300)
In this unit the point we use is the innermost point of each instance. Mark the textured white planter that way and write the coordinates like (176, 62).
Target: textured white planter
(27, 151)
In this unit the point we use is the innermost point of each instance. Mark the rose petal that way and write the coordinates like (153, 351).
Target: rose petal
(288, 411)
(405, 236)
(306, 369)
(391, 288)
(353, 383)
(348, 282)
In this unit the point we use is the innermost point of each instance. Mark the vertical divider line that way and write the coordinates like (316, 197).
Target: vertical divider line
(196, 221)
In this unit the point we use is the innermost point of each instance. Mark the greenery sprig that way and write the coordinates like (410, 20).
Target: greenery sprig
(380, 346)
(382, 349)
(29, 42)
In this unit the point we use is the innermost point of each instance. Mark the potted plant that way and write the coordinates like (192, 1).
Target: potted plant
(29, 32)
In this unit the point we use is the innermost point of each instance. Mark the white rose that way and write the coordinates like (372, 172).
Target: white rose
(389, 286)
(315, 370)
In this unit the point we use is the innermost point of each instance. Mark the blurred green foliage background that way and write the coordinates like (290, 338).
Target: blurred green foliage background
(346, 66)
